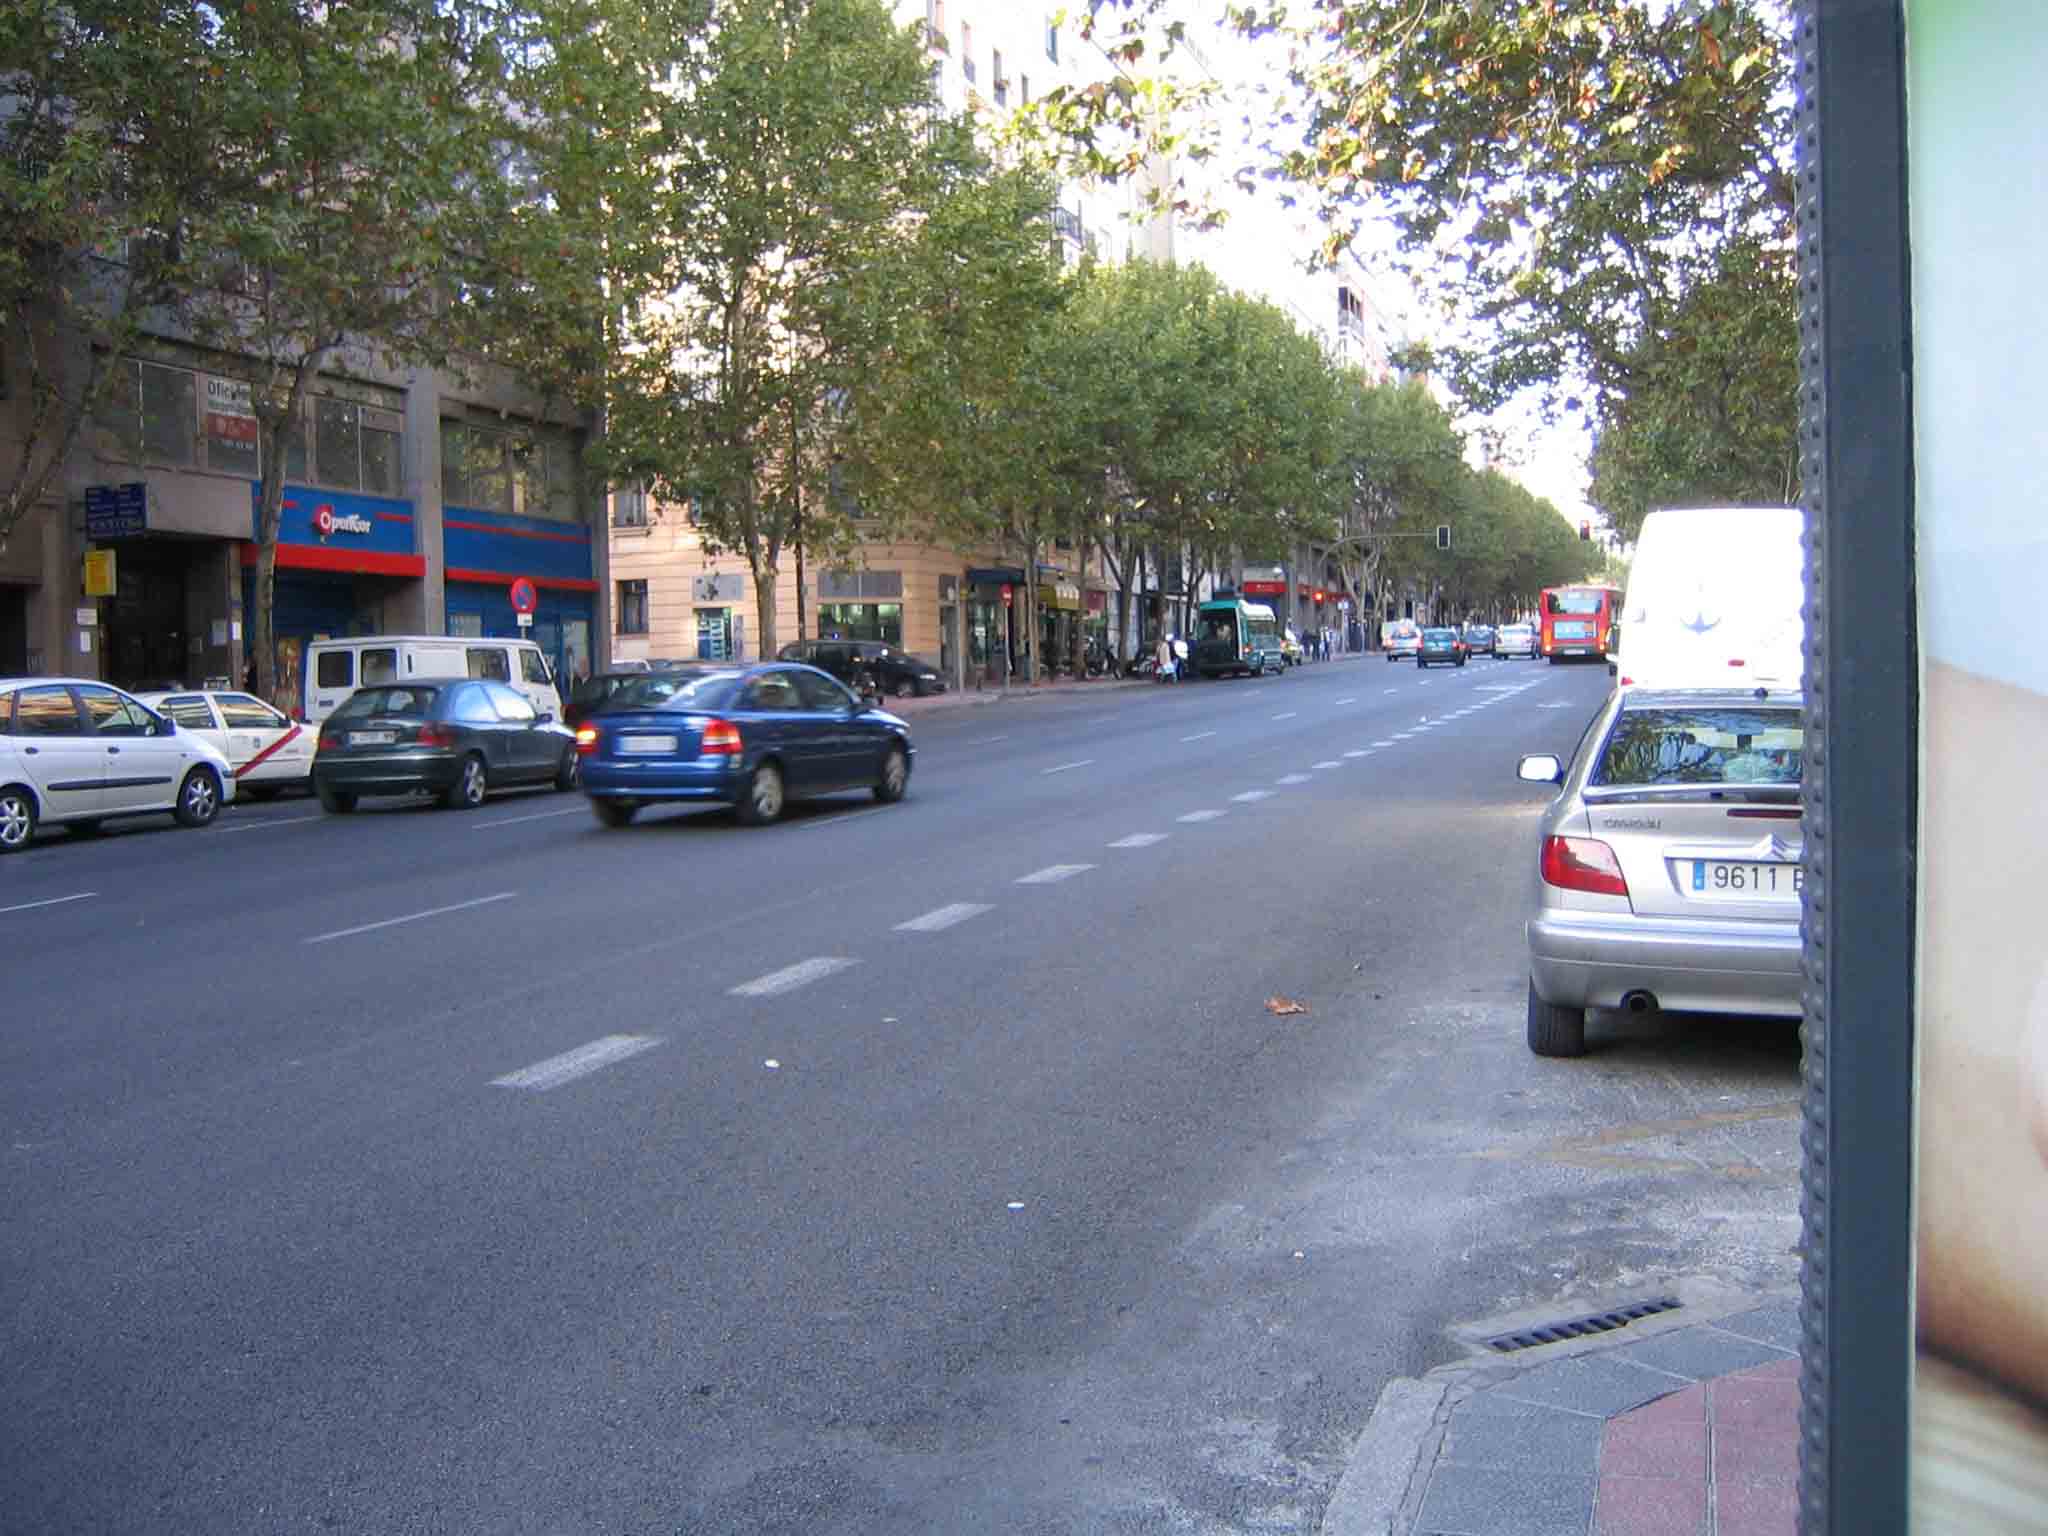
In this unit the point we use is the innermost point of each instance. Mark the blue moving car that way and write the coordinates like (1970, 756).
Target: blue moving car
(753, 737)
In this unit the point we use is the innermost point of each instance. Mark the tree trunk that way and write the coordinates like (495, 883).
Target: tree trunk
(1032, 658)
(764, 608)
(271, 430)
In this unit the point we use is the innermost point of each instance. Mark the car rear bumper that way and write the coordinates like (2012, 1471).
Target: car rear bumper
(397, 774)
(613, 778)
(1594, 960)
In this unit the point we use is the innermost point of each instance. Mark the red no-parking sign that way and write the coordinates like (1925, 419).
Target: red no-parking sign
(524, 597)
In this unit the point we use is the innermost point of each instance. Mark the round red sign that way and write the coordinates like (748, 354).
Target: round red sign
(1006, 592)
(524, 598)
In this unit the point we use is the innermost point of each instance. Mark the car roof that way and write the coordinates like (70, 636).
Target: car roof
(26, 682)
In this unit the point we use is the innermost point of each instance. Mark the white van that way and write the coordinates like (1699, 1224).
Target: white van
(336, 668)
(1716, 599)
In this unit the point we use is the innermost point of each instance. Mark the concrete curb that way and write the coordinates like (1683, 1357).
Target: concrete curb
(1400, 1439)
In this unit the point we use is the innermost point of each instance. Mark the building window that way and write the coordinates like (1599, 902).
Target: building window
(861, 621)
(632, 607)
(511, 472)
(714, 634)
(629, 506)
(1052, 36)
(1001, 84)
(1024, 89)
(967, 51)
(152, 413)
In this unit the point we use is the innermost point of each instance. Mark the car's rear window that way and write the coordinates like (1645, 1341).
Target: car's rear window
(1722, 745)
(411, 702)
(1439, 635)
(676, 690)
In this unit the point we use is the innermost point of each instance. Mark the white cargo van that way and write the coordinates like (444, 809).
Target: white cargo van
(1716, 599)
(336, 668)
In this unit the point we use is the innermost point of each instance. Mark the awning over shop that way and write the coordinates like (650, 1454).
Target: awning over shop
(1064, 595)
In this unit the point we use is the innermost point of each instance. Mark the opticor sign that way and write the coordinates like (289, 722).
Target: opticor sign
(325, 522)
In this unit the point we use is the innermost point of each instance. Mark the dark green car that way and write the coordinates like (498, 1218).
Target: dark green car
(1440, 645)
(456, 738)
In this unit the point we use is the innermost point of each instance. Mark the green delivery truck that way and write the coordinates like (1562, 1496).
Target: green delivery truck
(1233, 636)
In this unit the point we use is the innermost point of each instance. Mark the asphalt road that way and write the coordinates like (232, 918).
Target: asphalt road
(929, 1168)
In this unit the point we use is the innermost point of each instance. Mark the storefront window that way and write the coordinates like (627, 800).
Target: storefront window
(861, 621)
(714, 634)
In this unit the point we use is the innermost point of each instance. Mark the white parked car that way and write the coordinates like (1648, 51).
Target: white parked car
(1515, 640)
(266, 749)
(75, 752)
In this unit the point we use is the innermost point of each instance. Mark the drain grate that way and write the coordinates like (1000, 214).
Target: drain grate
(1580, 1327)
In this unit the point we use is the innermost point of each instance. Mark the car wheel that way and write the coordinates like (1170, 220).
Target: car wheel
(895, 777)
(762, 802)
(614, 813)
(1555, 1031)
(17, 820)
(565, 776)
(198, 798)
(336, 802)
(472, 783)
(903, 688)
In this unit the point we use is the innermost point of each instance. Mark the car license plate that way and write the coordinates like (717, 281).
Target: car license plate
(1725, 877)
(372, 738)
(647, 743)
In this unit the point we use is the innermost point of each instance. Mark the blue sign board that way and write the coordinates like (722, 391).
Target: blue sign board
(116, 511)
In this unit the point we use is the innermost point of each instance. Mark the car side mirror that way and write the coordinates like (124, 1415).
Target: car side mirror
(1540, 768)
(165, 726)
(544, 718)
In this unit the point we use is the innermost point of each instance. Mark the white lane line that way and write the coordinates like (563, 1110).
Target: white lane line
(1390, 690)
(1201, 816)
(812, 823)
(1139, 840)
(1292, 778)
(410, 917)
(1287, 714)
(1403, 735)
(1553, 706)
(284, 821)
(1198, 736)
(54, 901)
(581, 1062)
(940, 918)
(1254, 794)
(1328, 762)
(1347, 701)
(1053, 873)
(1383, 743)
(513, 821)
(1063, 767)
(984, 741)
(1359, 752)
(790, 977)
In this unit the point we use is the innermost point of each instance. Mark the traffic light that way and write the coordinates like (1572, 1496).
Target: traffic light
(1585, 530)
(1443, 535)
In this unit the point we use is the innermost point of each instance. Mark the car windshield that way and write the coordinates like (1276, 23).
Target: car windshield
(407, 703)
(1721, 745)
(675, 690)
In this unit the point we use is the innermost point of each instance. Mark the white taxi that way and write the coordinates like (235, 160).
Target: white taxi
(266, 749)
(75, 752)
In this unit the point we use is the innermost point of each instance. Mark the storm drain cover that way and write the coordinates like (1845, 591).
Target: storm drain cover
(1580, 1327)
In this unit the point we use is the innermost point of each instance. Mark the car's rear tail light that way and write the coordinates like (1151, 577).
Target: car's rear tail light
(432, 735)
(721, 739)
(1582, 864)
(586, 740)
(330, 740)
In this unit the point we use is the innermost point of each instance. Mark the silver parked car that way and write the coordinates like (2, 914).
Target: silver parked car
(1668, 868)
(1515, 640)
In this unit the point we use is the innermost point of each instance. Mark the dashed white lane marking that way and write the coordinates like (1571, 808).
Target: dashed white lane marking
(54, 901)
(513, 821)
(1390, 690)
(1292, 778)
(1347, 701)
(1063, 767)
(282, 821)
(1559, 705)
(1198, 736)
(1387, 743)
(410, 917)
(790, 977)
(1328, 762)
(1254, 794)
(984, 741)
(1287, 714)
(1193, 816)
(1053, 873)
(1359, 752)
(1139, 840)
(581, 1062)
(834, 819)
(944, 917)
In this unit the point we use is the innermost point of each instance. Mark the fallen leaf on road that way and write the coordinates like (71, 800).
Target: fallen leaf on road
(1285, 1005)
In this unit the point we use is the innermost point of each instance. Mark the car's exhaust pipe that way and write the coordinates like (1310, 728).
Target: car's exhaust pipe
(1638, 1002)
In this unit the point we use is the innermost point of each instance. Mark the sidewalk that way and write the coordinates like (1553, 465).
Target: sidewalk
(1678, 1423)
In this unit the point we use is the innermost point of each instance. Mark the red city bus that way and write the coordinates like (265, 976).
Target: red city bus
(1578, 620)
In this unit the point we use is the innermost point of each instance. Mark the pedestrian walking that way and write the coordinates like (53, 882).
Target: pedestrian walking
(1163, 654)
(1180, 657)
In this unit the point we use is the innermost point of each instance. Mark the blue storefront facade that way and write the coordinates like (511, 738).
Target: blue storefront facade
(485, 552)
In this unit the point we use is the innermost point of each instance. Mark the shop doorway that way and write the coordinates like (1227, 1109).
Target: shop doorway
(144, 621)
(13, 631)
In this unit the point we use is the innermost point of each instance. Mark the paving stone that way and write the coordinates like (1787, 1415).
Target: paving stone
(1593, 1384)
(1749, 1402)
(1685, 1407)
(1650, 1506)
(1544, 1440)
(1700, 1353)
(1633, 1448)
(1786, 1369)
(1754, 1456)
(1756, 1509)
(1775, 1322)
(1478, 1501)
